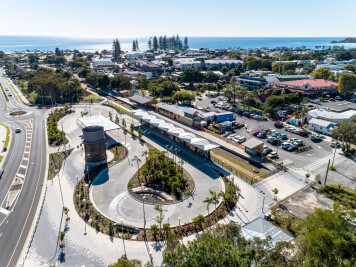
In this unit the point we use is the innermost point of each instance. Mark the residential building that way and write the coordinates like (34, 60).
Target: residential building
(103, 63)
(321, 126)
(183, 63)
(217, 64)
(309, 86)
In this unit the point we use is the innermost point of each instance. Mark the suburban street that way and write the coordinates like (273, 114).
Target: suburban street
(16, 221)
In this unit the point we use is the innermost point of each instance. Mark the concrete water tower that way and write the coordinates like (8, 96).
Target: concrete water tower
(94, 143)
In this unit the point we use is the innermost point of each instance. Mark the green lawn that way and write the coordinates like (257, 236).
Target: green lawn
(56, 161)
(240, 163)
(92, 99)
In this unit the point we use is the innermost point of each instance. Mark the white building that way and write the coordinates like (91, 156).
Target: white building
(331, 116)
(103, 63)
(321, 126)
(183, 63)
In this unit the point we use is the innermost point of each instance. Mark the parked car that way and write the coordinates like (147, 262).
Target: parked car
(293, 139)
(303, 133)
(315, 137)
(338, 98)
(278, 124)
(256, 117)
(272, 155)
(335, 144)
(1, 172)
(266, 150)
(245, 113)
(18, 130)
(332, 99)
(286, 145)
(283, 136)
(298, 143)
(241, 140)
(272, 140)
(262, 135)
(256, 133)
(292, 148)
(275, 134)
(213, 101)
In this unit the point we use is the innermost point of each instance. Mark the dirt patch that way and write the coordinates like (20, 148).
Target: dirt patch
(306, 202)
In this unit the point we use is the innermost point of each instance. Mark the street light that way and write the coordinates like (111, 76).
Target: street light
(77, 178)
(179, 221)
(144, 216)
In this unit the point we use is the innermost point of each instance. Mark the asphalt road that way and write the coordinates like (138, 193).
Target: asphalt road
(15, 228)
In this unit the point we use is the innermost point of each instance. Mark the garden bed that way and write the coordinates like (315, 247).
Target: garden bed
(163, 174)
(55, 136)
(56, 161)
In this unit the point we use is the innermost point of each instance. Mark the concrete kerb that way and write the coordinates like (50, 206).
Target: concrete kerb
(38, 213)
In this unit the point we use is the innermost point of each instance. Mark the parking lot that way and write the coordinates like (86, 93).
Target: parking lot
(338, 105)
(319, 150)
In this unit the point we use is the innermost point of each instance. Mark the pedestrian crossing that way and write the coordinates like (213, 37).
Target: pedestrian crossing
(318, 165)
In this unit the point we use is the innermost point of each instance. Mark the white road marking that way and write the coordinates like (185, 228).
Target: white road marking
(5, 211)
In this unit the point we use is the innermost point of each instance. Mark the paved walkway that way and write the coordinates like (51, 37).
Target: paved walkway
(109, 191)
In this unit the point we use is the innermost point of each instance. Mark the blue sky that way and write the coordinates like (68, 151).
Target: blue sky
(143, 18)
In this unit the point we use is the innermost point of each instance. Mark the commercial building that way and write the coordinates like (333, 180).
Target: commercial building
(144, 100)
(196, 143)
(332, 116)
(308, 86)
(252, 83)
(253, 147)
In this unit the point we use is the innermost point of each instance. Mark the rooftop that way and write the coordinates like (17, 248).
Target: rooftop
(261, 228)
(141, 98)
(252, 143)
(311, 82)
(98, 120)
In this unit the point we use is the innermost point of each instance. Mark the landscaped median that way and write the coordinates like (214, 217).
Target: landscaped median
(4, 93)
(56, 161)
(240, 168)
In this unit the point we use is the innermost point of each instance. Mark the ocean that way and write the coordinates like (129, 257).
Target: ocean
(41, 43)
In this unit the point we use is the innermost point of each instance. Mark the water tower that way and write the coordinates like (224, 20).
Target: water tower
(94, 143)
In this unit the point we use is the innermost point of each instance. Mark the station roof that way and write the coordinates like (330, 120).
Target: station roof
(179, 132)
(97, 120)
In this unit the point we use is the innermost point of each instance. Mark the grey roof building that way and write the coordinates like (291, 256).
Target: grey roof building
(262, 228)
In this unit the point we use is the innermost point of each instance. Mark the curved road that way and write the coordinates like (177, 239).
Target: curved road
(15, 226)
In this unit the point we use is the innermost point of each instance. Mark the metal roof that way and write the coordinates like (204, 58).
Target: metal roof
(179, 132)
(98, 120)
(262, 228)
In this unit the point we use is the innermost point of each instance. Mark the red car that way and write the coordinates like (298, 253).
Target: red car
(332, 99)
(256, 133)
(214, 104)
(303, 133)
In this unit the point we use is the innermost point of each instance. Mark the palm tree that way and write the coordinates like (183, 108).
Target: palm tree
(208, 201)
(226, 196)
(154, 230)
(199, 220)
(166, 228)
(275, 192)
(214, 199)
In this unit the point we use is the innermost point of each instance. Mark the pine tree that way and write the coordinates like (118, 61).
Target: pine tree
(160, 43)
(155, 43)
(116, 50)
(164, 43)
(133, 45)
(186, 46)
(137, 47)
(149, 44)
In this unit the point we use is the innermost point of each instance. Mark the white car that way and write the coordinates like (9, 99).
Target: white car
(286, 145)
(293, 139)
(241, 140)
(298, 143)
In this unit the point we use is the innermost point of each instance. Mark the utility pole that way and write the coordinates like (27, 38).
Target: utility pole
(332, 165)
(326, 175)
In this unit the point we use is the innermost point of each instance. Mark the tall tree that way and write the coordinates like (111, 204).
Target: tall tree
(137, 47)
(133, 45)
(149, 44)
(347, 84)
(160, 43)
(155, 43)
(116, 50)
(164, 43)
(186, 45)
